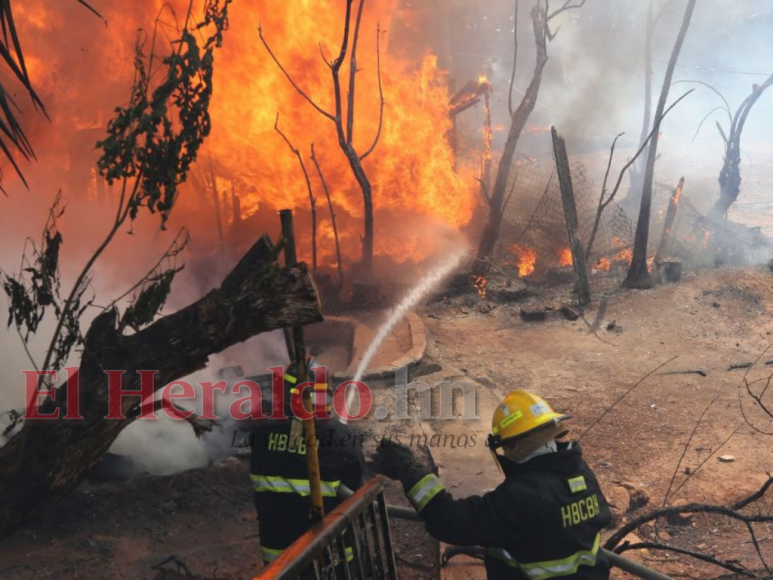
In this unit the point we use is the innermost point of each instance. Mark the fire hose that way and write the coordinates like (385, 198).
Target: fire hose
(616, 560)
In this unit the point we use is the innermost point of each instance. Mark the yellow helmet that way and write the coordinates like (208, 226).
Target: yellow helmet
(521, 413)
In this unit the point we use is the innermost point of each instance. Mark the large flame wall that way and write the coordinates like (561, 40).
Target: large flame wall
(83, 70)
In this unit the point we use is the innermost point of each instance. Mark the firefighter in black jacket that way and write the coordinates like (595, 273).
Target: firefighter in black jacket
(542, 522)
(279, 475)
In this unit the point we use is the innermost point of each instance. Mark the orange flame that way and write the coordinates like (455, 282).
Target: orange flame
(481, 284)
(411, 169)
(565, 257)
(605, 262)
(526, 259)
(536, 130)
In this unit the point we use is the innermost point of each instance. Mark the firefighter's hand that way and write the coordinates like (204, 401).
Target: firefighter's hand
(393, 460)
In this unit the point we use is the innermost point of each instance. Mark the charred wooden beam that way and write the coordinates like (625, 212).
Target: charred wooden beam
(469, 95)
(572, 224)
(673, 206)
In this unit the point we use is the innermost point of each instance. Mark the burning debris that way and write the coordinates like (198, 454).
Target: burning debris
(469, 95)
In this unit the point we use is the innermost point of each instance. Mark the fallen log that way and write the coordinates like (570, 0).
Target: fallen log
(47, 459)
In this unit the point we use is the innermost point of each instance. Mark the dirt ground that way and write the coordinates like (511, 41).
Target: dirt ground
(204, 517)
(633, 431)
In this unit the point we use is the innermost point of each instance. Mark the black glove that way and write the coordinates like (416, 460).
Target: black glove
(396, 461)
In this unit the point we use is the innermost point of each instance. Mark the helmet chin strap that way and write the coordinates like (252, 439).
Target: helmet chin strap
(549, 447)
(495, 455)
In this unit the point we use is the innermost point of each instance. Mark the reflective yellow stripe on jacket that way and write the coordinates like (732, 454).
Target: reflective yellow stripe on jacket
(423, 492)
(552, 568)
(275, 484)
(577, 484)
(268, 554)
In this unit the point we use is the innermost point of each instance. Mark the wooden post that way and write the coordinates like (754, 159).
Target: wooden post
(673, 206)
(299, 347)
(488, 138)
(570, 211)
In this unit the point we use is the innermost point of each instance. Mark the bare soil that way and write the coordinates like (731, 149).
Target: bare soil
(644, 431)
(204, 517)
(639, 423)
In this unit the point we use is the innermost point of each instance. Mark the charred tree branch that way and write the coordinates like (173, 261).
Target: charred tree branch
(312, 198)
(731, 512)
(339, 264)
(515, 59)
(567, 6)
(727, 565)
(289, 77)
(380, 95)
(730, 175)
(353, 77)
(605, 200)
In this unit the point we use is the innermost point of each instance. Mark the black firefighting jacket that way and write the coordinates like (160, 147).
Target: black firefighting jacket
(280, 479)
(542, 522)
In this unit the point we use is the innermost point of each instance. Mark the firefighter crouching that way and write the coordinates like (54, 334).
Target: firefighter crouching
(279, 475)
(543, 521)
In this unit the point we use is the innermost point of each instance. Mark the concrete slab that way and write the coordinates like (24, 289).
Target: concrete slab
(404, 346)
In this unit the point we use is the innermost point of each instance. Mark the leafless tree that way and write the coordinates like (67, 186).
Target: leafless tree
(344, 126)
(541, 16)
(638, 274)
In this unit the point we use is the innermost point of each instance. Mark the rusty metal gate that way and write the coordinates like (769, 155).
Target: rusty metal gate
(352, 542)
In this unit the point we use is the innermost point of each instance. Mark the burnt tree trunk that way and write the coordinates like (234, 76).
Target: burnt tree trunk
(673, 206)
(638, 168)
(367, 202)
(572, 223)
(519, 119)
(638, 274)
(730, 176)
(48, 459)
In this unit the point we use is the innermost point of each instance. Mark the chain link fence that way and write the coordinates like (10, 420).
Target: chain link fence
(534, 237)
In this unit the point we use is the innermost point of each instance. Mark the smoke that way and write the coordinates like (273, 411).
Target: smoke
(166, 446)
(593, 86)
(593, 89)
